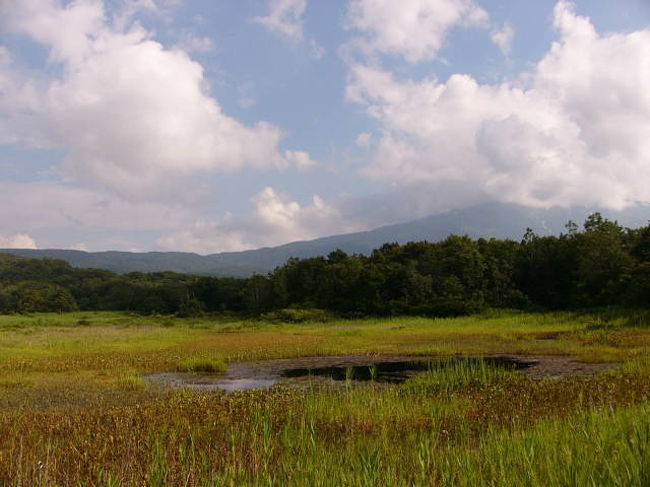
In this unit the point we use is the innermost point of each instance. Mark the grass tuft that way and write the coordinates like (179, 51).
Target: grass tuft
(449, 375)
(212, 365)
(129, 381)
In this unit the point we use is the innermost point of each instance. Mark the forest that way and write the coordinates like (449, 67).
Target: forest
(600, 264)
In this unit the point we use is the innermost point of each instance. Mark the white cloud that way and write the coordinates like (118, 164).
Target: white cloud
(300, 159)
(58, 216)
(18, 241)
(503, 37)
(275, 219)
(246, 95)
(573, 131)
(130, 115)
(67, 31)
(67, 217)
(49, 206)
(79, 246)
(127, 9)
(415, 29)
(5, 57)
(363, 139)
(191, 43)
(316, 51)
(285, 17)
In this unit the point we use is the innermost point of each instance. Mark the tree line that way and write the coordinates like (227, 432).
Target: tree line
(601, 264)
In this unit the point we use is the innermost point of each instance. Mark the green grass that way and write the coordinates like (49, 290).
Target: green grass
(589, 448)
(199, 364)
(450, 375)
(74, 409)
(129, 381)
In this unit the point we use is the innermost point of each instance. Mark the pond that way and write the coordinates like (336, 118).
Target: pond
(309, 371)
(395, 371)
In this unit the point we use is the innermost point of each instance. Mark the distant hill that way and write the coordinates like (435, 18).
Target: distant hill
(489, 220)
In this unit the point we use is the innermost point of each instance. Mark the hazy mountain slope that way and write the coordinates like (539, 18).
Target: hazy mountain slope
(491, 220)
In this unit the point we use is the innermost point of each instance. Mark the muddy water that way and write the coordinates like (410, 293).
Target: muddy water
(393, 372)
(307, 371)
(208, 382)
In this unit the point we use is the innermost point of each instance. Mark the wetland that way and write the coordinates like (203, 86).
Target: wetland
(360, 369)
(539, 399)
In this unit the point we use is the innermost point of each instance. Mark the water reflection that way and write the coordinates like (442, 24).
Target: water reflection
(262, 375)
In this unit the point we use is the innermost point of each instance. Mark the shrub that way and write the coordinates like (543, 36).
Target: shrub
(191, 308)
(297, 315)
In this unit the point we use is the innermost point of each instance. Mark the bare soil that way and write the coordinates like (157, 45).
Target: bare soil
(550, 366)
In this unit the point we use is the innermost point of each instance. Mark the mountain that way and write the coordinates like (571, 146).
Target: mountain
(497, 220)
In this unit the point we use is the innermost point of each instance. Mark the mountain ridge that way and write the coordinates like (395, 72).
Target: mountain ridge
(498, 220)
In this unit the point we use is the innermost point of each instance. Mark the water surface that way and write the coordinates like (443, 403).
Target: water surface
(306, 371)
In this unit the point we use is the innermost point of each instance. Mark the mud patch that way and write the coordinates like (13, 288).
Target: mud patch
(392, 371)
(545, 366)
(547, 336)
(310, 371)
(208, 382)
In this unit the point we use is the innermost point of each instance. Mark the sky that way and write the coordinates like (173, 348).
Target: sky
(222, 125)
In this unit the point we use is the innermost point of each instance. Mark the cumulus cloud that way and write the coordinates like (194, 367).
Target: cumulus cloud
(275, 219)
(131, 115)
(363, 139)
(414, 29)
(79, 246)
(300, 159)
(191, 43)
(127, 9)
(18, 241)
(503, 37)
(246, 95)
(285, 17)
(316, 51)
(572, 131)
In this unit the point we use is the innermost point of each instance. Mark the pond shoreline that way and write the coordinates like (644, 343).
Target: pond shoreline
(263, 374)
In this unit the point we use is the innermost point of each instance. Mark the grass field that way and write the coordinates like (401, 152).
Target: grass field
(74, 409)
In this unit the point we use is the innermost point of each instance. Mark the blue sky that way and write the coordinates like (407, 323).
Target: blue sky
(223, 125)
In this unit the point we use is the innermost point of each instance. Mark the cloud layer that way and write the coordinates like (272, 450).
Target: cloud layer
(414, 29)
(275, 219)
(17, 241)
(131, 115)
(285, 17)
(138, 140)
(138, 127)
(572, 131)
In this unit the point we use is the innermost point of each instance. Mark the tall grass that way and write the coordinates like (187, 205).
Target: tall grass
(73, 410)
(591, 448)
(451, 374)
(129, 381)
(359, 436)
(202, 364)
